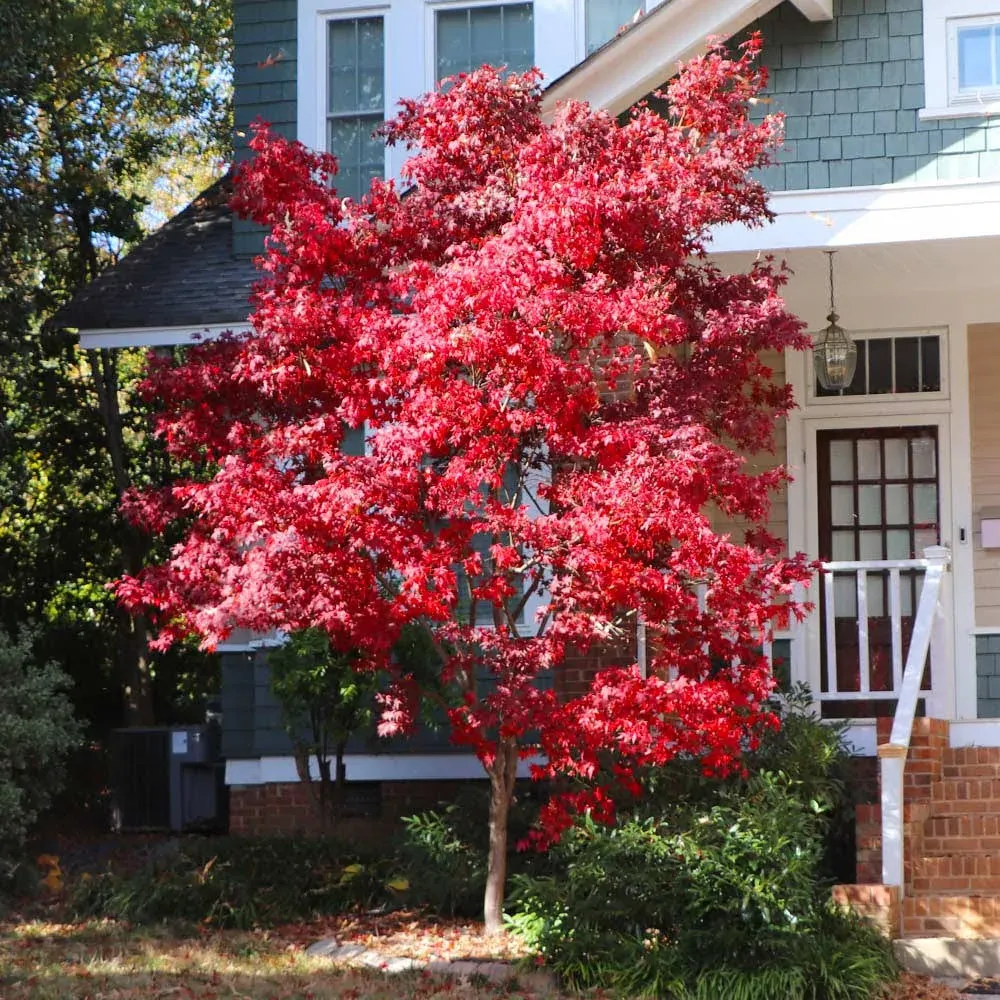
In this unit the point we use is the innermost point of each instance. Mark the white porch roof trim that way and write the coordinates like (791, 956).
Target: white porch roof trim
(864, 216)
(155, 336)
(648, 53)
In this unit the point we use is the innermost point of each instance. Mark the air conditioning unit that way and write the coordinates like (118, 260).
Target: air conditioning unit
(167, 779)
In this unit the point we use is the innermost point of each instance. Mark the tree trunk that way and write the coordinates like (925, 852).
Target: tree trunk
(502, 777)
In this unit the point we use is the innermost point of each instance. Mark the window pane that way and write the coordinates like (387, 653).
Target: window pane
(897, 505)
(452, 42)
(907, 364)
(974, 58)
(871, 545)
(486, 38)
(897, 544)
(842, 460)
(870, 504)
(842, 504)
(519, 37)
(925, 504)
(869, 459)
(930, 358)
(843, 546)
(897, 465)
(343, 62)
(879, 366)
(370, 63)
(605, 17)
(924, 455)
(859, 384)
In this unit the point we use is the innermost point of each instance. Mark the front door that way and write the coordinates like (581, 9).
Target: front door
(878, 500)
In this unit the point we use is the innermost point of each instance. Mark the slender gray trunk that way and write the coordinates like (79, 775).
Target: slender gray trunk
(502, 777)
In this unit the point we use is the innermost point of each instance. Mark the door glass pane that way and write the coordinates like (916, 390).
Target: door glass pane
(897, 505)
(842, 504)
(897, 543)
(876, 595)
(906, 595)
(869, 504)
(871, 544)
(843, 546)
(925, 503)
(924, 458)
(869, 459)
(974, 60)
(922, 539)
(897, 465)
(842, 460)
(845, 595)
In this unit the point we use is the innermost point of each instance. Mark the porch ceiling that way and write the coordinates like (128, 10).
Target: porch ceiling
(931, 281)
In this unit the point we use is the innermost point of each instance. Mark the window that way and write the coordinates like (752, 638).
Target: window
(604, 19)
(908, 363)
(974, 58)
(961, 58)
(502, 35)
(355, 101)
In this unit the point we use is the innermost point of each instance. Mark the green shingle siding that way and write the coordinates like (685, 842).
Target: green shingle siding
(850, 90)
(264, 85)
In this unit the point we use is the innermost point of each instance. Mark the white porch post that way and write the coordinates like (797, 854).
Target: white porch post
(892, 762)
(941, 702)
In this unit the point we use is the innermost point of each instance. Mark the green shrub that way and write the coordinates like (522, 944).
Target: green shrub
(723, 895)
(242, 883)
(37, 732)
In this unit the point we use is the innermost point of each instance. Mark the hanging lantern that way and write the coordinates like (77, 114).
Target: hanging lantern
(835, 355)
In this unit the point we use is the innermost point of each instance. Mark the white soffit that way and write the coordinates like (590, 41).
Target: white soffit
(864, 216)
(164, 336)
(648, 53)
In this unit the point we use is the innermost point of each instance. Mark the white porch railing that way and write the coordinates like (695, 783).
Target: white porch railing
(930, 626)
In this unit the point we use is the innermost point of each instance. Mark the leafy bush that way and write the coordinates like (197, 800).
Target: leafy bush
(37, 732)
(712, 888)
(242, 883)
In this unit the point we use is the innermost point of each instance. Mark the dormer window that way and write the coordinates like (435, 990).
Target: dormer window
(961, 50)
(974, 58)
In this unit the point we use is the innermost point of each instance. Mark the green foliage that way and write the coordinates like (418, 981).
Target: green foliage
(37, 732)
(325, 699)
(446, 870)
(242, 883)
(711, 889)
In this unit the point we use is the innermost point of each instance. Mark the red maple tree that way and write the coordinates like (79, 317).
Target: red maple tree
(557, 388)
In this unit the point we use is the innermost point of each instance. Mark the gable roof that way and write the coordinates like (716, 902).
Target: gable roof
(184, 274)
(643, 56)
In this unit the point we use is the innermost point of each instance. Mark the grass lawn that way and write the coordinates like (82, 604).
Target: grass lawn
(106, 961)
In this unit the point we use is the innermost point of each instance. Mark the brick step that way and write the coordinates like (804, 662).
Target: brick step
(961, 915)
(974, 873)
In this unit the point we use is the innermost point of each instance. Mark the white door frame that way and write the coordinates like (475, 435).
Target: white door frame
(951, 417)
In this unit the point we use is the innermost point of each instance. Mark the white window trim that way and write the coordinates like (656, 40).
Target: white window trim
(312, 72)
(889, 399)
(939, 17)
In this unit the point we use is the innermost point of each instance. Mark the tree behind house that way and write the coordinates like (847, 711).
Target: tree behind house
(325, 698)
(557, 388)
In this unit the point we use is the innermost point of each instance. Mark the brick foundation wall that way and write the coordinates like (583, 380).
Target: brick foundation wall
(288, 808)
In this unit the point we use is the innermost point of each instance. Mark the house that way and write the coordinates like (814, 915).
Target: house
(892, 160)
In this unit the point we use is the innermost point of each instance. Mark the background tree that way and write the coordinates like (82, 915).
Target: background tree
(325, 698)
(557, 386)
(108, 106)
